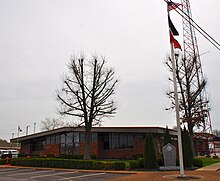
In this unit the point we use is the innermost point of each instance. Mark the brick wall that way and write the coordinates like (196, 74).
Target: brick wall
(25, 148)
(51, 149)
(94, 150)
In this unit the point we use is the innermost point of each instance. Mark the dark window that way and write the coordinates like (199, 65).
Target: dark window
(63, 138)
(122, 141)
(69, 138)
(76, 137)
(94, 136)
(52, 139)
(48, 140)
(62, 149)
(115, 141)
(130, 141)
(118, 141)
(57, 139)
(43, 142)
(37, 145)
(139, 137)
(69, 149)
(82, 137)
(106, 142)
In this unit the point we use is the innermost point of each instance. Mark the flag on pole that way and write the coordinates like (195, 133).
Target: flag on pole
(19, 129)
(174, 42)
(171, 5)
(172, 27)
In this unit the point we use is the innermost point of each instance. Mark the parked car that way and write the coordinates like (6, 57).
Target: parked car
(4, 153)
(13, 153)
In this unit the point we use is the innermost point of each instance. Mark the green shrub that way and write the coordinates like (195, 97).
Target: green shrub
(3, 162)
(177, 162)
(50, 155)
(6, 155)
(103, 165)
(99, 165)
(134, 164)
(68, 163)
(197, 162)
(137, 156)
(119, 166)
(141, 162)
(160, 161)
(150, 161)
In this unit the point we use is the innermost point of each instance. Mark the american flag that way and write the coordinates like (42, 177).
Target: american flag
(172, 5)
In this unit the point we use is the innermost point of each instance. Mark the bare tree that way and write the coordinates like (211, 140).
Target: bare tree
(50, 124)
(216, 132)
(87, 93)
(192, 105)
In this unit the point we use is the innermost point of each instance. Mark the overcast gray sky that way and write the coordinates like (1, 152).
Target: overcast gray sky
(38, 36)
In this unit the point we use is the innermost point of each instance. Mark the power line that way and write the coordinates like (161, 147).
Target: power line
(195, 25)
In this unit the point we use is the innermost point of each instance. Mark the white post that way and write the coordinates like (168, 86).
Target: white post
(27, 129)
(177, 112)
(176, 106)
(18, 136)
(34, 127)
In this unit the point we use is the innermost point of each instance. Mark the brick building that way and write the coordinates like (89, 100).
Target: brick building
(106, 142)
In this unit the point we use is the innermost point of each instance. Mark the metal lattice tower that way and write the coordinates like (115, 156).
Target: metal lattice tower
(200, 116)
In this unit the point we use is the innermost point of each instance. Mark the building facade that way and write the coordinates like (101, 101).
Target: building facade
(106, 142)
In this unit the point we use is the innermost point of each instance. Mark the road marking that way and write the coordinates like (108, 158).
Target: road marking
(13, 170)
(81, 176)
(49, 175)
(33, 172)
(6, 169)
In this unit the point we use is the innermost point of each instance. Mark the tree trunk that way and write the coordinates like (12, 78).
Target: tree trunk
(190, 128)
(87, 143)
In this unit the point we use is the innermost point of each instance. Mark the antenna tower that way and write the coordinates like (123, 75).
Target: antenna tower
(201, 116)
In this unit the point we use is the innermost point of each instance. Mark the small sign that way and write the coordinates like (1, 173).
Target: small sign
(169, 154)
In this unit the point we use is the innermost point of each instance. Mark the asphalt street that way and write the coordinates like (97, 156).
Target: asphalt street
(37, 174)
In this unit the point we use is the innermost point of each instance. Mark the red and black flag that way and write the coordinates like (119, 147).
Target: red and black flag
(174, 42)
(172, 27)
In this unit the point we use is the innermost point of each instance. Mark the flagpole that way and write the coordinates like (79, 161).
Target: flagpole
(18, 136)
(177, 108)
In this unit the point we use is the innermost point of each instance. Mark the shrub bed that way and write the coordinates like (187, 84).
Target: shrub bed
(134, 164)
(68, 163)
(3, 162)
(197, 162)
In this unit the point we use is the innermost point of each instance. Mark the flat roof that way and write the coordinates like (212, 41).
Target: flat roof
(111, 129)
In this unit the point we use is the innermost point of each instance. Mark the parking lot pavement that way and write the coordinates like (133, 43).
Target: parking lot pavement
(37, 174)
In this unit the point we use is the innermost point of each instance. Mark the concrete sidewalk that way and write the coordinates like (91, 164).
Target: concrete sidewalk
(166, 176)
(213, 167)
(209, 173)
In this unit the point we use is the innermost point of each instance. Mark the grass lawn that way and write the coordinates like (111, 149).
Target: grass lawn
(209, 161)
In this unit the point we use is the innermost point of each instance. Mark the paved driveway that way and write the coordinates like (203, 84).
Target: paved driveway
(37, 174)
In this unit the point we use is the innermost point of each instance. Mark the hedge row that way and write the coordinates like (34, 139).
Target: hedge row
(68, 163)
(3, 162)
(197, 162)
